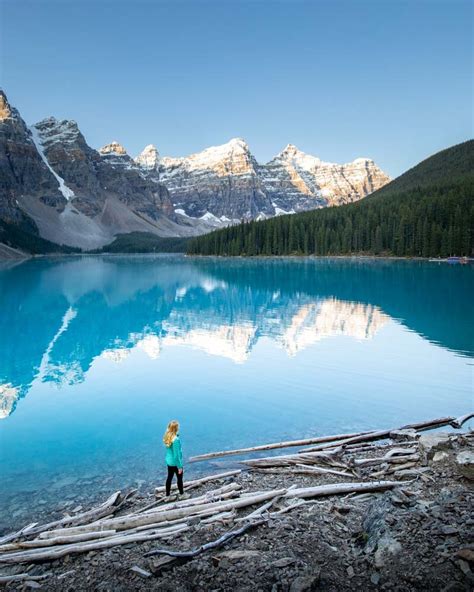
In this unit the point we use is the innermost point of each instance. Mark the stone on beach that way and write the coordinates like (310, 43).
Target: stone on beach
(465, 464)
(429, 444)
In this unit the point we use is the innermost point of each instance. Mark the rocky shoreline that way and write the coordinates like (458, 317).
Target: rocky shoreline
(418, 535)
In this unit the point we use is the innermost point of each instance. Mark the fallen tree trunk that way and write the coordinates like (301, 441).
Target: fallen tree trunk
(328, 439)
(459, 421)
(274, 445)
(204, 510)
(96, 528)
(394, 469)
(353, 448)
(66, 540)
(381, 434)
(15, 535)
(221, 517)
(428, 425)
(340, 488)
(212, 545)
(367, 437)
(23, 577)
(311, 469)
(111, 505)
(367, 462)
(35, 555)
(289, 459)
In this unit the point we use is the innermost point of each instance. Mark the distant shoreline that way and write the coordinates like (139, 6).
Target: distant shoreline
(234, 257)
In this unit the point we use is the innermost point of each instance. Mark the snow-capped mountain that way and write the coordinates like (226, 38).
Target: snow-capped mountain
(220, 181)
(294, 178)
(226, 183)
(55, 185)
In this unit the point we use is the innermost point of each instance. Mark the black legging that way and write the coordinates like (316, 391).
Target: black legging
(174, 471)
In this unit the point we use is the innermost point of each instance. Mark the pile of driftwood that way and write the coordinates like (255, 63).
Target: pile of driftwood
(324, 442)
(100, 528)
(110, 524)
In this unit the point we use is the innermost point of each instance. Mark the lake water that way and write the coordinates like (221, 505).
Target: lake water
(98, 353)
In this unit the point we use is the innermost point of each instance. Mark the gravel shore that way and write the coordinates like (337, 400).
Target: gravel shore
(416, 537)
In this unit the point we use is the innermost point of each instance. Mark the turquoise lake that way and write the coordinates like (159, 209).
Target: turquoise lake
(98, 353)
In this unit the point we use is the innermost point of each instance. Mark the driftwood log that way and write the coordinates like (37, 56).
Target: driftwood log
(365, 436)
(56, 552)
(112, 504)
(273, 446)
(15, 535)
(459, 421)
(225, 538)
(327, 457)
(341, 488)
(22, 578)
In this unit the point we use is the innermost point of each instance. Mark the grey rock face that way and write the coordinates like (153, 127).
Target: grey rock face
(221, 181)
(94, 177)
(23, 173)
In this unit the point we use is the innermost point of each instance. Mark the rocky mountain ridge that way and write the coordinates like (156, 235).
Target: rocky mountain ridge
(226, 183)
(56, 186)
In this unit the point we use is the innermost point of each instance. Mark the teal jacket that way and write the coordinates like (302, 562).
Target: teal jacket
(174, 454)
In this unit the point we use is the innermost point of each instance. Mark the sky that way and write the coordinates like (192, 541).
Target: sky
(340, 79)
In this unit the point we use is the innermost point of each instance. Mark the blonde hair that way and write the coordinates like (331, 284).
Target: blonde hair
(171, 432)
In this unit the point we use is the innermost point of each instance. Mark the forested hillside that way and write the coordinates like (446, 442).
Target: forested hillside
(428, 212)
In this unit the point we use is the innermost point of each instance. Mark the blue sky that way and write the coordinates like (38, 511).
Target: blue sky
(387, 79)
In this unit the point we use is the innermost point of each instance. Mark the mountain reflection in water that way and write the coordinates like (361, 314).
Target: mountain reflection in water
(59, 315)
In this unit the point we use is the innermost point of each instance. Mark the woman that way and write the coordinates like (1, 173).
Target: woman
(174, 456)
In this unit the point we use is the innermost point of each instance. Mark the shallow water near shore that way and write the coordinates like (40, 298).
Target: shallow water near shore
(98, 353)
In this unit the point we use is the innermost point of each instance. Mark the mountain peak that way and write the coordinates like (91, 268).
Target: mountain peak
(292, 154)
(5, 109)
(290, 151)
(113, 148)
(52, 130)
(149, 157)
(237, 142)
(363, 160)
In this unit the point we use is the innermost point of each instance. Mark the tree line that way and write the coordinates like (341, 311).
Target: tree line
(435, 221)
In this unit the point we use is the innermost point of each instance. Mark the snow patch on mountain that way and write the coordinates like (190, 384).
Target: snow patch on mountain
(210, 158)
(63, 188)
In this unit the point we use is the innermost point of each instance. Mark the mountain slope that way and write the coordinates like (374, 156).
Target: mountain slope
(442, 168)
(428, 211)
(23, 173)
